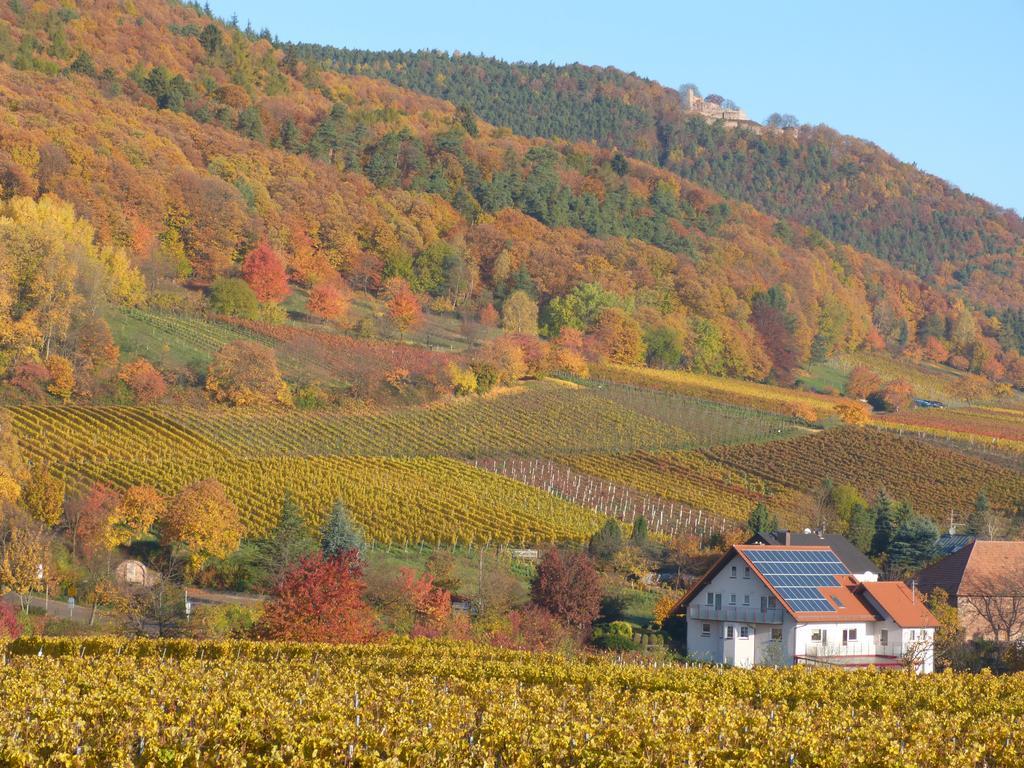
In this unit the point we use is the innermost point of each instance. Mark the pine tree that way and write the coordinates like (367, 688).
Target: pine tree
(980, 520)
(290, 541)
(913, 544)
(889, 515)
(639, 534)
(340, 534)
(761, 520)
(606, 542)
(862, 526)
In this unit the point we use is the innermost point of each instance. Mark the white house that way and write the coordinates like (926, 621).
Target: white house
(784, 605)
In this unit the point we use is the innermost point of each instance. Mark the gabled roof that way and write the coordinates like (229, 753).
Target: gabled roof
(949, 543)
(844, 549)
(842, 596)
(990, 568)
(900, 603)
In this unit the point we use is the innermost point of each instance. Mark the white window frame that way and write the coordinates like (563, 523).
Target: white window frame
(777, 634)
(746, 571)
(746, 600)
(732, 572)
(883, 637)
(732, 599)
(711, 599)
(705, 630)
(730, 631)
(744, 632)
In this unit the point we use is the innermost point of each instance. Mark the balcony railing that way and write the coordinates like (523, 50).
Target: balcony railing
(852, 649)
(741, 614)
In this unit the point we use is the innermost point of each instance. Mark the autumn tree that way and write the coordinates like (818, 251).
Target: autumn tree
(90, 519)
(139, 508)
(144, 380)
(246, 373)
(894, 396)
(862, 382)
(62, 377)
(263, 269)
(606, 541)
(403, 306)
(24, 554)
(488, 316)
(569, 587)
(618, 338)
(13, 471)
(320, 600)
(43, 494)
(328, 301)
(204, 520)
(519, 314)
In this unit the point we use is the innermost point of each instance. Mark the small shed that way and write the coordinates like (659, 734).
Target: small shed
(134, 573)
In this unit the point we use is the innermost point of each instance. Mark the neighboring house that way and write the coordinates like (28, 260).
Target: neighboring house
(859, 564)
(948, 543)
(784, 605)
(985, 583)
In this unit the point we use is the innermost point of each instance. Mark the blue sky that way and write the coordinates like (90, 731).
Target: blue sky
(936, 83)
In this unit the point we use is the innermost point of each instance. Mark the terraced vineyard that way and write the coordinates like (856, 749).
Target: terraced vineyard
(935, 480)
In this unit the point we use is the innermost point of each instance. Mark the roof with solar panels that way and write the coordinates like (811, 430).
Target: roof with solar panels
(811, 583)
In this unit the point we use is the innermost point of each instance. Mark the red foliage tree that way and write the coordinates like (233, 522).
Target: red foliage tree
(569, 587)
(263, 269)
(10, 627)
(90, 517)
(320, 600)
(533, 629)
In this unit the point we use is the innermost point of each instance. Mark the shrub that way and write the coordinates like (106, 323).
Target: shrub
(145, 381)
(233, 296)
(246, 373)
(10, 626)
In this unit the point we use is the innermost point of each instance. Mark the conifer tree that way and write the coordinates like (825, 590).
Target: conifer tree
(979, 522)
(340, 534)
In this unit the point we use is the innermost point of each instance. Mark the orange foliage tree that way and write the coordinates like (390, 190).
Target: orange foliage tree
(264, 271)
(246, 373)
(404, 308)
(144, 380)
(328, 301)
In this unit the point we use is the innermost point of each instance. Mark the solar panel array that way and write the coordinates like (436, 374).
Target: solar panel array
(797, 574)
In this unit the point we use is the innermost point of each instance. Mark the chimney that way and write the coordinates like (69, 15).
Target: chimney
(788, 538)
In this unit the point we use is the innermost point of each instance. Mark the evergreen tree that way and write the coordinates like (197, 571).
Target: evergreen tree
(761, 520)
(981, 516)
(861, 530)
(639, 534)
(606, 542)
(290, 541)
(913, 544)
(889, 515)
(340, 534)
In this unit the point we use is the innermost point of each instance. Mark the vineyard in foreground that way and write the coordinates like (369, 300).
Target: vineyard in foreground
(120, 702)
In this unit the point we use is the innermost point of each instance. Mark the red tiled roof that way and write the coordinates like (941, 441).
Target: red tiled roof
(902, 604)
(992, 568)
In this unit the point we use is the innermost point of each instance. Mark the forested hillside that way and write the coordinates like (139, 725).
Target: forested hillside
(201, 153)
(848, 189)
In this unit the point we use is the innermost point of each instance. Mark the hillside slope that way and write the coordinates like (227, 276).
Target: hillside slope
(187, 143)
(848, 189)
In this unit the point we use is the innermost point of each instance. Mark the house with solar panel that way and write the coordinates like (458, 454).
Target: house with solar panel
(783, 605)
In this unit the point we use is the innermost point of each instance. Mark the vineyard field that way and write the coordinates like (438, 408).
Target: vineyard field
(937, 481)
(698, 482)
(807, 406)
(121, 702)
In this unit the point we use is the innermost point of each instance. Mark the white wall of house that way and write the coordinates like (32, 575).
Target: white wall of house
(734, 625)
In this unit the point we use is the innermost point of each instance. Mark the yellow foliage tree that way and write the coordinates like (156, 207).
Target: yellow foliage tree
(62, 377)
(203, 519)
(246, 373)
(43, 495)
(24, 556)
(140, 507)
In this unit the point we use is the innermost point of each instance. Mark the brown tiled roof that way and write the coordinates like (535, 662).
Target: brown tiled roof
(982, 568)
(902, 604)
